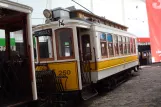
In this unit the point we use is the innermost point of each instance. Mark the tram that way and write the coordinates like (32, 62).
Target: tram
(17, 76)
(85, 48)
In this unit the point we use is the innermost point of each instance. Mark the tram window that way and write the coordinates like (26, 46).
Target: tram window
(2, 41)
(110, 44)
(45, 47)
(128, 44)
(86, 47)
(17, 45)
(132, 46)
(115, 38)
(34, 48)
(103, 44)
(104, 49)
(124, 45)
(129, 50)
(120, 45)
(64, 42)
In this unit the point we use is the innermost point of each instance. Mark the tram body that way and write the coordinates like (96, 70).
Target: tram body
(83, 50)
(17, 76)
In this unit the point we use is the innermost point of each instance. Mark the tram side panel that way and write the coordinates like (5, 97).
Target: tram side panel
(65, 67)
(110, 66)
(68, 69)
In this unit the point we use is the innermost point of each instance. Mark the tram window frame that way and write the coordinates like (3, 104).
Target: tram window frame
(52, 53)
(38, 48)
(120, 45)
(19, 42)
(124, 45)
(110, 43)
(116, 46)
(132, 46)
(128, 45)
(130, 39)
(86, 47)
(103, 42)
(59, 57)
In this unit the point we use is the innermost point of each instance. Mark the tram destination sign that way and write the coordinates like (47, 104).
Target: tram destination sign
(45, 32)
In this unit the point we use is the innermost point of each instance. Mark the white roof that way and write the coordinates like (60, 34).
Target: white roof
(15, 6)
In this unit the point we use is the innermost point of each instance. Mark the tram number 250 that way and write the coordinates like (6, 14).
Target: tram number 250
(64, 72)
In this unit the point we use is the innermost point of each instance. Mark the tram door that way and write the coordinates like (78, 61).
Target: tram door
(85, 57)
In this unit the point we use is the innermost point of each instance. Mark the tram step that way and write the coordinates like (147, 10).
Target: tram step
(88, 92)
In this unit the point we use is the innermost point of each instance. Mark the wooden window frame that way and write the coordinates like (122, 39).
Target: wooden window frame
(134, 46)
(57, 45)
(84, 51)
(124, 46)
(117, 46)
(104, 56)
(105, 42)
(112, 46)
(120, 43)
(112, 49)
(129, 50)
(38, 50)
(127, 45)
(131, 45)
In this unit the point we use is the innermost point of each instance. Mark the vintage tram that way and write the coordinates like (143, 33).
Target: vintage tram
(84, 49)
(17, 76)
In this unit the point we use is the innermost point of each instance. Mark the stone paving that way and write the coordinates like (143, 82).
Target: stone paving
(142, 90)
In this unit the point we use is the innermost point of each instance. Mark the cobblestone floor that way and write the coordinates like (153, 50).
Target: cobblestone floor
(142, 90)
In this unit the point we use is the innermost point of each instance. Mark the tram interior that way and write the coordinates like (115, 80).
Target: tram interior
(14, 61)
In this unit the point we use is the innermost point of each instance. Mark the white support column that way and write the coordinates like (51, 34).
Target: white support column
(50, 47)
(30, 40)
(77, 57)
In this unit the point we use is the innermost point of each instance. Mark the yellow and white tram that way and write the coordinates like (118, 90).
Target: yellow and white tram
(84, 47)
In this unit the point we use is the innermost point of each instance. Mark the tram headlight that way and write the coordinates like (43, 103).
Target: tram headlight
(47, 13)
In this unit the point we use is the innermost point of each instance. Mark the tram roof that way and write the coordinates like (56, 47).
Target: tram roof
(78, 23)
(12, 15)
(15, 6)
(91, 15)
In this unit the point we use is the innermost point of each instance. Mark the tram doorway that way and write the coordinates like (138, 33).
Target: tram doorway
(84, 45)
(15, 84)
